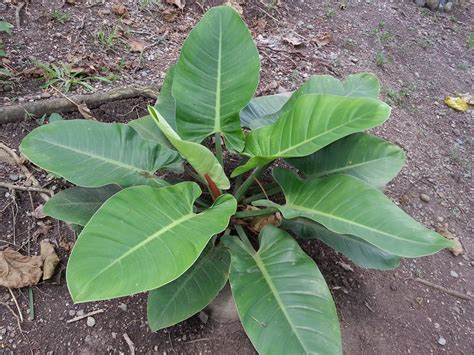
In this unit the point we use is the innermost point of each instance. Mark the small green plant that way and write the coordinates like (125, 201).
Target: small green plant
(398, 97)
(147, 4)
(470, 41)
(65, 78)
(60, 16)
(329, 12)
(5, 73)
(382, 36)
(108, 36)
(143, 233)
(381, 59)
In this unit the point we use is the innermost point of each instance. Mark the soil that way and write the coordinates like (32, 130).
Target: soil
(420, 57)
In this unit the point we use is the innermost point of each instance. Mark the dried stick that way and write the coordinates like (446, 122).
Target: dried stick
(75, 319)
(25, 188)
(441, 288)
(16, 304)
(130, 344)
(9, 114)
(14, 314)
(17, 14)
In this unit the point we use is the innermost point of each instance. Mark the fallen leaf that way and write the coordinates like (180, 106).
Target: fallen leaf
(137, 45)
(120, 10)
(178, 3)
(323, 39)
(458, 248)
(169, 15)
(457, 103)
(293, 40)
(85, 111)
(65, 243)
(17, 270)
(42, 230)
(49, 257)
(257, 223)
(38, 212)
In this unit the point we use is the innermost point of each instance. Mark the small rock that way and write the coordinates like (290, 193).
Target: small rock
(454, 274)
(72, 313)
(80, 313)
(3, 331)
(114, 335)
(442, 341)
(436, 325)
(45, 95)
(420, 3)
(21, 100)
(7, 88)
(354, 60)
(13, 177)
(203, 317)
(448, 7)
(432, 4)
(185, 337)
(123, 307)
(425, 198)
(90, 321)
(440, 219)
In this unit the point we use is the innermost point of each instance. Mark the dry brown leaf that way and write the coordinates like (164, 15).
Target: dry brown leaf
(295, 41)
(257, 223)
(178, 3)
(65, 243)
(17, 270)
(235, 5)
(38, 212)
(85, 111)
(457, 249)
(323, 39)
(137, 45)
(169, 15)
(49, 257)
(120, 10)
(42, 230)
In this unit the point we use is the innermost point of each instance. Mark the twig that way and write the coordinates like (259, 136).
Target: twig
(130, 344)
(14, 314)
(26, 188)
(16, 304)
(17, 14)
(197, 340)
(75, 319)
(445, 290)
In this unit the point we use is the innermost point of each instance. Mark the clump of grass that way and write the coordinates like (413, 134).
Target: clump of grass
(108, 36)
(470, 41)
(381, 59)
(64, 78)
(379, 32)
(399, 97)
(147, 4)
(59, 16)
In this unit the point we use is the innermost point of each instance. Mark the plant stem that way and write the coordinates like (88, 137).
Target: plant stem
(270, 192)
(256, 213)
(249, 181)
(217, 138)
(244, 238)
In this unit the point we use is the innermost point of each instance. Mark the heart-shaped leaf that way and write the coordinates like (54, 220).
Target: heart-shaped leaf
(347, 205)
(314, 122)
(216, 76)
(141, 239)
(283, 301)
(93, 154)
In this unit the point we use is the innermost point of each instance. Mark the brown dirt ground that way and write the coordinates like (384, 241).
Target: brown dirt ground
(381, 312)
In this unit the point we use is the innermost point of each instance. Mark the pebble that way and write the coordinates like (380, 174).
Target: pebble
(420, 3)
(13, 177)
(442, 341)
(436, 325)
(425, 198)
(90, 321)
(123, 307)
(203, 317)
(45, 95)
(72, 313)
(80, 313)
(3, 331)
(454, 274)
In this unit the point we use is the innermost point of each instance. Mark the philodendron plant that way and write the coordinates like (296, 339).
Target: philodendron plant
(145, 233)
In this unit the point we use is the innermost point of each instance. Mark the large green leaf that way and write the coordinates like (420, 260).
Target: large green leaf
(200, 158)
(283, 301)
(314, 122)
(355, 85)
(141, 239)
(367, 157)
(93, 154)
(254, 115)
(147, 129)
(191, 292)
(358, 250)
(347, 205)
(78, 204)
(216, 76)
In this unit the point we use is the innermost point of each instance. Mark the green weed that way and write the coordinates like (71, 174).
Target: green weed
(59, 16)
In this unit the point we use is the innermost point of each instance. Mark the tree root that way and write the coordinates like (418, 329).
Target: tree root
(443, 289)
(9, 114)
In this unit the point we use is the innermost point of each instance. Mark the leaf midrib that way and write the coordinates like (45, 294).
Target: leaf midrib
(152, 237)
(346, 167)
(217, 118)
(276, 295)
